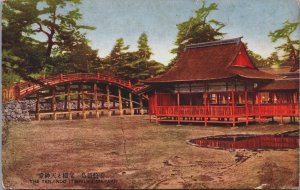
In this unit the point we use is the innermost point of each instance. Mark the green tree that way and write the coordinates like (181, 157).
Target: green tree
(59, 26)
(40, 36)
(290, 47)
(256, 59)
(78, 57)
(144, 51)
(21, 55)
(117, 57)
(138, 65)
(273, 60)
(135, 65)
(197, 29)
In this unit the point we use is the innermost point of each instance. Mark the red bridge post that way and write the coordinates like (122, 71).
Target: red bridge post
(17, 91)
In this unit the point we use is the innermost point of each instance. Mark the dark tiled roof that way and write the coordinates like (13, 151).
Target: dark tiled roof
(209, 61)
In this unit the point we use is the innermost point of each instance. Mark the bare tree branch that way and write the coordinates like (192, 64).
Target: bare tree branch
(40, 29)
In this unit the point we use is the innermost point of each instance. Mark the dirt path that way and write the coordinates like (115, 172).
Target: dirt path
(131, 153)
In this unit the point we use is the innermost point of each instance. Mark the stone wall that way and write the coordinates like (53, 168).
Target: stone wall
(16, 111)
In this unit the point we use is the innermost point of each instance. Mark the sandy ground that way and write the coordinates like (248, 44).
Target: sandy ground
(130, 152)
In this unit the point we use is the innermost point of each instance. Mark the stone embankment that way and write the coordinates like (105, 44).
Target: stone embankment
(16, 111)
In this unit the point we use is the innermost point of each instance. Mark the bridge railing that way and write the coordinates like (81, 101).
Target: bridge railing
(26, 87)
(229, 111)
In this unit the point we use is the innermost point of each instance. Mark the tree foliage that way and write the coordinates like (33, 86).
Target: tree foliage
(45, 37)
(40, 36)
(290, 47)
(256, 59)
(134, 65)
(197, 29)
(144, 50)
(21, 54)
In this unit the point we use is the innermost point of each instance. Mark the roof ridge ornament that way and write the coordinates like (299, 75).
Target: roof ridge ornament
(215, 43)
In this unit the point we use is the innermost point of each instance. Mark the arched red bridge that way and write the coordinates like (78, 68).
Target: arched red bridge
(27, 88)
(81, 94)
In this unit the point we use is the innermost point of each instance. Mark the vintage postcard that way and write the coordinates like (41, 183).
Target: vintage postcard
(152, 94)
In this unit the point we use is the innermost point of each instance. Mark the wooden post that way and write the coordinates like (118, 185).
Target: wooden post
(54, 103)
(82, 101)
(108, 100)
(246, 105)
(65, 99)
(259, 109)
(274, 107)
(120, 102)
(91, 105)
(233, 105)
(130, 104)
(240, 99)
(78, 98)
(155, 107)
(295, 97)
(205, 109)
(178, 108)
(69, 102)
(37, 106)
(141, 106)
(295, 101)
(96, 99)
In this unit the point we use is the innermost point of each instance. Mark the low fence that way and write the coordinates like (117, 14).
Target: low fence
(229, 111)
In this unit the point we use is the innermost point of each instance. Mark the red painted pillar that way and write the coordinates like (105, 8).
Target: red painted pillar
(246, 105)
(205, 109)
(233, 106)
(178, 108)
(155, 107)
(259, 108)
(16, 91)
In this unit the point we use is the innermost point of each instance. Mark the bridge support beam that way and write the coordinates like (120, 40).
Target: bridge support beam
(54, 103)
(96, 100)
(66, 98)
(37, 107)
(69, 102)
(130, 104)
(108, 100)
(141, 106)
(246, 105)
(82, 101)
(120, 102)
(78, 99)
(233, 104)
(71, 95)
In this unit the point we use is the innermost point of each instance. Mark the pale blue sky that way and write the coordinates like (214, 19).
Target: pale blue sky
(158, 18)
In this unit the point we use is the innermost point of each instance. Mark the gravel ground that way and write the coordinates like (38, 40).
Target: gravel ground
(129, 152)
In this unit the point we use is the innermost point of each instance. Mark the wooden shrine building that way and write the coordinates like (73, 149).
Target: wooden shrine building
(216, 82)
